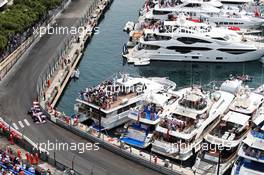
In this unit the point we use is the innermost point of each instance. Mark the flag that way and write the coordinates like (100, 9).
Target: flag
(257, 14)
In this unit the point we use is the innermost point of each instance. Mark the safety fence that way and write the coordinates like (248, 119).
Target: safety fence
(115, 146)
(29, 146)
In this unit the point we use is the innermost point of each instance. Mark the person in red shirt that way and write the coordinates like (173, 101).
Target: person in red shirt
(21, 173)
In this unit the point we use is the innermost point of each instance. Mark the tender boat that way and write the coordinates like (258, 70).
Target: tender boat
(75, 74)
(129, 26)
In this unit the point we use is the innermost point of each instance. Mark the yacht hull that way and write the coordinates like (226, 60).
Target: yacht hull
(212, 56)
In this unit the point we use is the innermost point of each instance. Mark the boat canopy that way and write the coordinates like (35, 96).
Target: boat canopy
(247, 103)
(128, 82)
(259, 120)
(159, 99)
(237, 118)
(186, 113)
(254, 142)
(193, 97)
(231, 86)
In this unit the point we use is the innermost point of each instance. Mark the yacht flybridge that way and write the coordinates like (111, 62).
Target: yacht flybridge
(251, 153)
(180, 132)
(184, 40)
(224, 140)
(108, 104)
(144, 119)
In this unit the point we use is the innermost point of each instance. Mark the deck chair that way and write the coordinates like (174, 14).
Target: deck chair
(232, 136)
(225, 136)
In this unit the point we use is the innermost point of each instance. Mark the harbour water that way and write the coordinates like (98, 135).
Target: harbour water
(102, 58)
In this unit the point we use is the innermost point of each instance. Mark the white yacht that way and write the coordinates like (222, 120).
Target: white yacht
(193, 8)
(223, 141)
(199, 10)
(180, 132)
(237, 2)
(108, 104)
(250, 159)
(215, 3)
(185, 40)
(242, 20)
(144, 119)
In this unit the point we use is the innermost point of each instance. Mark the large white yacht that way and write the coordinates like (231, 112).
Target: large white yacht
(215, 3)
(144, 119)
(184, 40)
(108, 104)
(197, 9)
(193, 8)
(223, 141)
(236, 2)
(180, 132)
(250, 159)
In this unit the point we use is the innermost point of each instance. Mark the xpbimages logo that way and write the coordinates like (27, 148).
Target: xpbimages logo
(80, 147)
(64, 30)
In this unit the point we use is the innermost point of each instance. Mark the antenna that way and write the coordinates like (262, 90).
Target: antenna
(261, 74)
(191, 79)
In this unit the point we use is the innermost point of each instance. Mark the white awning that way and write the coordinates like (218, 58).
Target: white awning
(170, 23)
(254, 142)
(193, 97)
(185, 112)
(159, 99)
(237, 118)
(259, 119)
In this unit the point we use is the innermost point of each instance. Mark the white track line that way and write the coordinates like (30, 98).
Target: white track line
(21, 124)
(15, 126)
(26, 121)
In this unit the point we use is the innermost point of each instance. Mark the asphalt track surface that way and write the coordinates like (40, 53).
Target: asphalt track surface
(18, 90)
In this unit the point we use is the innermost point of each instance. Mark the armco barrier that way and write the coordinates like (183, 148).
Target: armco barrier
(115, 149)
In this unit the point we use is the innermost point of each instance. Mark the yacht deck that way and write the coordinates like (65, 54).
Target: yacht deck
(232, 127)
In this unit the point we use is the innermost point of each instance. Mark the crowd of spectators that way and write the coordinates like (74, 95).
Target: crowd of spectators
(17, 39)
(12, 165)
(102, 95)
